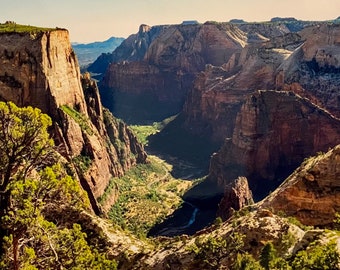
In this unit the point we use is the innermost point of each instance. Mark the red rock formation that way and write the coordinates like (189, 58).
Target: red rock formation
(41, 70)
(313, 69)
(311, 193)
(168, 61)
(218, 92)
(306, 63)
(274, 132)
(236, 196)
(210, 109)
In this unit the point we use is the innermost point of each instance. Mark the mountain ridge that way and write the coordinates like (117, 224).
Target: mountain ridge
(87, 53)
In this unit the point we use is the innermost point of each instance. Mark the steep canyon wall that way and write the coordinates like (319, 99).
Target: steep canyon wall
(40, 70)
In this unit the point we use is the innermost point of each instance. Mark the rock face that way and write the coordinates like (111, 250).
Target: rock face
(256, 229)
(306, 63)
(236, 196)
(274, 132)
(219, 92)
(313, 69)
(41, 70)
(159, 63)
(311, 193)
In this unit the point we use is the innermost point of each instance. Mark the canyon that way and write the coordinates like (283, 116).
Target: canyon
(266, 93)
(265, 96)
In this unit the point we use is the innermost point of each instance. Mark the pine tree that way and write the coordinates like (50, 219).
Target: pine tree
(34, 183)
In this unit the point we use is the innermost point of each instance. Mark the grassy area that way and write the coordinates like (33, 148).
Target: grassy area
(10, 27)
(147, 194)
(144, 131)
(81, 119)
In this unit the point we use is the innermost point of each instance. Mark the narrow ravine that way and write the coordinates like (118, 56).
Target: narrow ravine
(178, 223)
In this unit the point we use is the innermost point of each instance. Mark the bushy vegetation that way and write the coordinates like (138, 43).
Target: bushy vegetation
(147, 194)
(209, 252)
(316, 257)
(216, 251)
(80, 119)
(83, 163)
(34, 183)
(142, 132)
(10, 27)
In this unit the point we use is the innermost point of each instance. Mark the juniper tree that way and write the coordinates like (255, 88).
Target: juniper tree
(33, 183)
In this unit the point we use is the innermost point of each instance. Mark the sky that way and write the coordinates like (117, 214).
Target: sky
(98, 20)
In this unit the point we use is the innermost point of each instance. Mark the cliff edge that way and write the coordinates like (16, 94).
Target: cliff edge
(40, 69)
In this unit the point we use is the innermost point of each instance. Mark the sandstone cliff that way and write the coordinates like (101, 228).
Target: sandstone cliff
(41, 70)
(311, 193)
(159, 64)
(313, 69)
(237, 195)
(274, 132)
(306, 62)
(218, 92)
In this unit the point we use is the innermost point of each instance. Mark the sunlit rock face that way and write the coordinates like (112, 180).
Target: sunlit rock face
(313, 71)
(305, 62)
(41, 70)
(159, 64)
(274, 131)
(219, 92)
(311, 193)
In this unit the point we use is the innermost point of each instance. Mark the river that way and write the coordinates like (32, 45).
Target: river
(192, 216)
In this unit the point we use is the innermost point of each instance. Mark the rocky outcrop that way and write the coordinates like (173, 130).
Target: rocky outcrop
(313, 69)
(205, 250)
(159, 63)
(236, 196)
(306, 62)
(311, 193)
(218, 92)
(274, 132)
(40, 69)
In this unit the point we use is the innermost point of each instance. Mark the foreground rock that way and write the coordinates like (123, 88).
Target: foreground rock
(217, 247)
(237, 195)
(311, 193)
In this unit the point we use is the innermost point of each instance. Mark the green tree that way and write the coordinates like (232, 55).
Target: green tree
(268, 254)
(33, 184)
(24, 144)
(25, 147)
(317, 257)
(246, 262)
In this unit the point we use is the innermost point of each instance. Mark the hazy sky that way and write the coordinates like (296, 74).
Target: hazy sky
(97, 20)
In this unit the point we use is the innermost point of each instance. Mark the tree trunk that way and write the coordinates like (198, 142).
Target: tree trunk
(15, 244)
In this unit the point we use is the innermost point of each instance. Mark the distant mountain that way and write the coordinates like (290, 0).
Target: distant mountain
(88, 53)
